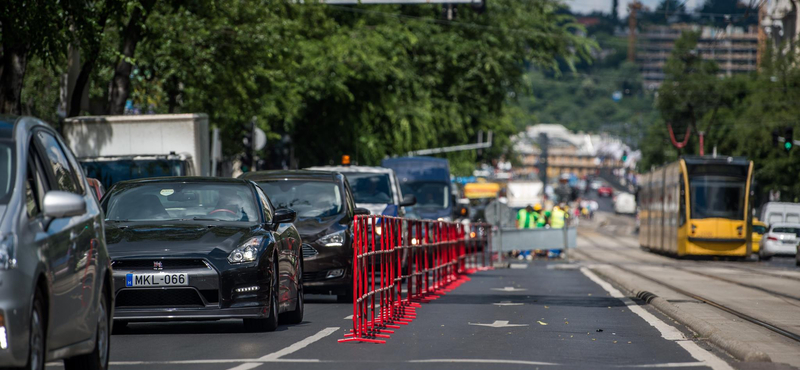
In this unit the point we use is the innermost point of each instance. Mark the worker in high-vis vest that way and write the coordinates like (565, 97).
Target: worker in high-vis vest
(558, 218)
(541, 218)
(526, 218)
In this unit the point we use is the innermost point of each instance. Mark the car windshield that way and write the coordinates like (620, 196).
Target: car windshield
(758, 229)
(168, 201)
(717, 197)
(6, 171)
(370, 187)
(308, 198)
(429, 194)
(786, 230)
(112, 172)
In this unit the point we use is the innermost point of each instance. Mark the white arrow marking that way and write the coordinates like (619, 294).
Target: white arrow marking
(349, 317)
(509, 289)
(498, 324)
(507, 303)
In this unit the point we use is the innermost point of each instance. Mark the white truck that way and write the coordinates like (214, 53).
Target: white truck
(523, 194)
(117, 148)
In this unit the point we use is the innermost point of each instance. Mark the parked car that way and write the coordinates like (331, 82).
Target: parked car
(97, 187)
(56, 291)
(374, 188)
(775, 212)
(202, 248)
(781, 239)
(325, 212)
(759, 229)
(605, 191)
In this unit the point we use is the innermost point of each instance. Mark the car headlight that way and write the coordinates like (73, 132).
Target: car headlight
(333, 240)
(247, 252)
(7, 256)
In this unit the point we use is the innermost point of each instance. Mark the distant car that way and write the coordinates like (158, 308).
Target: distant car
(781, 239)
(624, 203)
(203, 248)
(56, 291)
(595, 184)
(374, 188)
(605, 191)
(97, 187)
(759, 229)
(325, 213)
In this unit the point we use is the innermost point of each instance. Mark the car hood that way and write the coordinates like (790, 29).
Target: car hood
(379, 208)
(130, 240)
(313, 228)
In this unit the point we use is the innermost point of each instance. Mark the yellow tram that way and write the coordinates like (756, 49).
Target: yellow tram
(710, 219)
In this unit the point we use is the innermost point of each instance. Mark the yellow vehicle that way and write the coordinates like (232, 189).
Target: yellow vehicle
(759, 229)
(697, 206)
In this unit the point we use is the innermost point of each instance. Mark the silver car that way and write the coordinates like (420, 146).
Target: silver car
(55, 274)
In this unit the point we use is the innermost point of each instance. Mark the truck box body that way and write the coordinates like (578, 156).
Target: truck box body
(140, 138)
(522, 194)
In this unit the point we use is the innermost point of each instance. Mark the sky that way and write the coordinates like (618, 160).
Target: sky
(586, 6)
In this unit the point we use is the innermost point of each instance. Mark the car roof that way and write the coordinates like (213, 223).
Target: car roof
(187, 179)
(292, 174)
(7, 126)
(784, 224)
(352, 169)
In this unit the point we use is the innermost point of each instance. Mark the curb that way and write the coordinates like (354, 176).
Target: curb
(739, 350)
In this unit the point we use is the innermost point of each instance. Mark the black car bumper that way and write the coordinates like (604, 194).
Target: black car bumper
(208, 294)
(327, 270)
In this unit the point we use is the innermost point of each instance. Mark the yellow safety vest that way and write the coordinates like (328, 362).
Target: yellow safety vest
(557, 218)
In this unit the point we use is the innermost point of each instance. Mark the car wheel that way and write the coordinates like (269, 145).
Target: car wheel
(764, 257)
(345, 298)
(296, 315)
(36, 346)
(270, 323)
(98, 358)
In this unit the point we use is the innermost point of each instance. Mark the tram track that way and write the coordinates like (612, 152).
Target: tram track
(684, 269)
(772, 327)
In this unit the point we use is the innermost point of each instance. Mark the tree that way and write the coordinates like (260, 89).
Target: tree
(27, 28)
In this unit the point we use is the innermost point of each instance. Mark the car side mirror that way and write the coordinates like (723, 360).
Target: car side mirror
(284, 216)
(59, 204)
(408, 200)
(361, 211)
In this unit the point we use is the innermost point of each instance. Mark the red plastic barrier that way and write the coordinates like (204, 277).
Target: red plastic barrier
(427, 258)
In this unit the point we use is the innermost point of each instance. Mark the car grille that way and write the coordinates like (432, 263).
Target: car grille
(172, 297)
(309, 251)
(167, 264)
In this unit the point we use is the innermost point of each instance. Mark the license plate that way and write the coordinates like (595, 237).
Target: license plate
(160, 279)
(790, 242)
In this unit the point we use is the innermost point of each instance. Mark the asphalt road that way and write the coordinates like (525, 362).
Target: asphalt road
(556, 315)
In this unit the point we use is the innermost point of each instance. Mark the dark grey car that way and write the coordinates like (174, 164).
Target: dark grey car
(55, 275)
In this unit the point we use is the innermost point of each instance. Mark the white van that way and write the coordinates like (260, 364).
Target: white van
(625, 203)
(775, 212)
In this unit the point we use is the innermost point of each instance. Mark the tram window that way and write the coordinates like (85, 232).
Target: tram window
(682, 205)
(717, 197)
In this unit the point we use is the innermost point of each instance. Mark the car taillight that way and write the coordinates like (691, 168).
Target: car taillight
(772, 238)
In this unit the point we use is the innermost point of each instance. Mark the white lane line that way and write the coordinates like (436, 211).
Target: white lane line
(497, 324)
(519, 265)
(211, 361)
(349, 317)
(484, 361)
(246, 366)
(667, 331)
(509, 289)
(300, 345)
(507, 303)
(668, 365)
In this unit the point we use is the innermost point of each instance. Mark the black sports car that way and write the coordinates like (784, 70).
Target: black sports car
(193, 248)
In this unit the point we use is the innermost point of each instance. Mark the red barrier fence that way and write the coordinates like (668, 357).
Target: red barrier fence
(399, 263)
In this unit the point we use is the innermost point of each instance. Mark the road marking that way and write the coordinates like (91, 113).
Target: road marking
(667, 332)
(349, 317)
(246, 366)
(670, 365)
(485, 361)
(498, 324)
(509, 289)
(542, 323)
(300, 345)
(519, 265)
(507, 303)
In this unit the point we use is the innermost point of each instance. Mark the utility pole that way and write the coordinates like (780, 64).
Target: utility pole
(632, 8)
(762, 33)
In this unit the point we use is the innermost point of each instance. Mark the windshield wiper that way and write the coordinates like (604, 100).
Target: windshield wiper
(202, 219)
